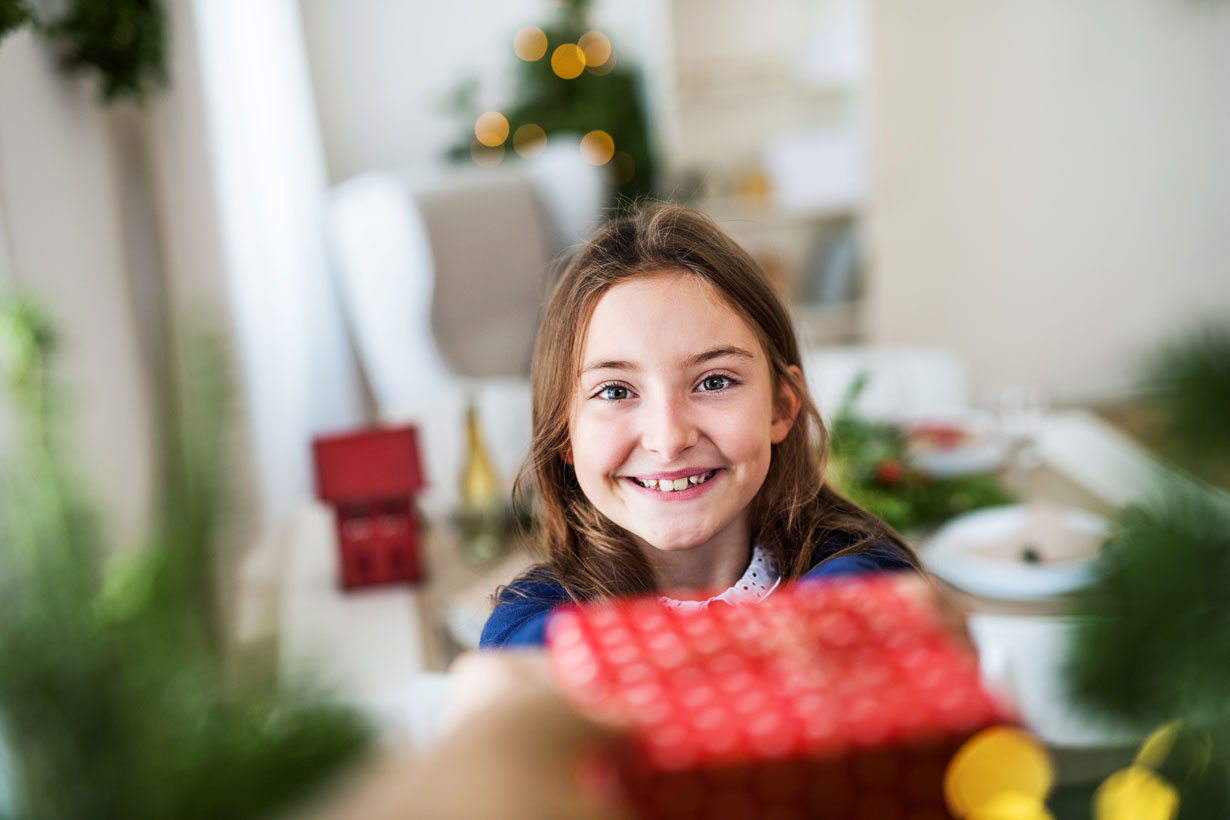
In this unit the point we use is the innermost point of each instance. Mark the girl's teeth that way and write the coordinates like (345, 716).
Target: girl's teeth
(666, 485)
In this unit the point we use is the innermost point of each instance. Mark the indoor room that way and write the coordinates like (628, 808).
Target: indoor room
(614, 409)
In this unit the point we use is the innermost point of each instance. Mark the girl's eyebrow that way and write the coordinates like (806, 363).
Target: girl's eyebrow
(720, 352)
(699, 358)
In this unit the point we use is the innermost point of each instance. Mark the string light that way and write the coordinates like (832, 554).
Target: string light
(596, 46)
(608, 65)
(530, 43)
(486, 156)
(597, 147)
(529, 140)
(491, 129)
(568, 61)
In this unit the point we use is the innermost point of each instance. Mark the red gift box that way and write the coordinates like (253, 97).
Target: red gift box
(839, 698)
(370, 477)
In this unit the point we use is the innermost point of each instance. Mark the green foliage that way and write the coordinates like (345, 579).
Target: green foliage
(13, 14)
(1154, 640)
(124, 41)
(871, 466)
(1190, 379)
(114, 695)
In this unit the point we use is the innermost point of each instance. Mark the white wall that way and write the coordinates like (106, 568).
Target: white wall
(381, 69)
(1052, 183)
(60, 200)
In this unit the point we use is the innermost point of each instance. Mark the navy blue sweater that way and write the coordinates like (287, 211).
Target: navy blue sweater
(521, 611)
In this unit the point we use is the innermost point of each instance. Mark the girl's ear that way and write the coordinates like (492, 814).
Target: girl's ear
(786, 407)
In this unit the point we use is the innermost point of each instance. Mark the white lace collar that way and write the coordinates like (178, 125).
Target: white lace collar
(759, 579)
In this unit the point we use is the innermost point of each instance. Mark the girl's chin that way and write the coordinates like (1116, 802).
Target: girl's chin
(673, 543)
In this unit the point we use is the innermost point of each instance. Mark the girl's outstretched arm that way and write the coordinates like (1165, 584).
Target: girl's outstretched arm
(520, 615)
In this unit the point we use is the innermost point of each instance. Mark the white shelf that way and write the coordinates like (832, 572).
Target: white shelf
(772, 91)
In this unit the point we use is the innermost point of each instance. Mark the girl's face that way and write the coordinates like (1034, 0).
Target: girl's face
(674, 415)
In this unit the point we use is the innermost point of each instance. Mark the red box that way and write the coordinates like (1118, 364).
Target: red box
(370, 478)
(839, 698)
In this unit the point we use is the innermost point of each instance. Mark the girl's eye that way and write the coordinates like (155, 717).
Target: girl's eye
(712, 383)
(614, 392)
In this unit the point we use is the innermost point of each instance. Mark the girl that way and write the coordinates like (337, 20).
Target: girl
(675, 447)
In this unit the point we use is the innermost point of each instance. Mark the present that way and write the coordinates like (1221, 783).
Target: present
(370, 478)
(839, 698)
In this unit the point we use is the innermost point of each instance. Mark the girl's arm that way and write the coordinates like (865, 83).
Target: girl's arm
(520, 615)
(877, 559)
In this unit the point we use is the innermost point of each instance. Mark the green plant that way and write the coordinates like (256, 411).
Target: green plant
(1189, 379)
(1155, 642)
(1152, 642)
(870, 463)
(116, 698)
(124, 41)
(13, 14)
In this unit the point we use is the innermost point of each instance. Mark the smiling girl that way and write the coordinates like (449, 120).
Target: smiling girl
(675, 448)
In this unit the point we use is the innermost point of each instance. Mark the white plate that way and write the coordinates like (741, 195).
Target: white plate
(983, 457)
(962, 553)
(981, 451)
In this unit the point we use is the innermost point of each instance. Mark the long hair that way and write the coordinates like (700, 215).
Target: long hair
(795, 509)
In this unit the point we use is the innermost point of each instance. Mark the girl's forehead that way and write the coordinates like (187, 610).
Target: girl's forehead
(667, 295)
(655, 312)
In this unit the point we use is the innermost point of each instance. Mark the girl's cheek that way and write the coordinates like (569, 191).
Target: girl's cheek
(602, 437)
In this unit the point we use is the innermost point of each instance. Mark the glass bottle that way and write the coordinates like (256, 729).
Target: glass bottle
(481, 514)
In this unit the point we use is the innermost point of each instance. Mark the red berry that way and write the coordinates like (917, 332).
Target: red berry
(889, 472)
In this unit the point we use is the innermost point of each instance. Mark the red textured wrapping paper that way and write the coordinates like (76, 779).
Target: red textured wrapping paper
(838, 698)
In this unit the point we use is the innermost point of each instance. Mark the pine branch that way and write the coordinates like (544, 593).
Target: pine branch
(114, 700)
(1154, 640)
(1190, 378)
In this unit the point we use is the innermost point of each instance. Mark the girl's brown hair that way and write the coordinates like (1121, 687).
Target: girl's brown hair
(795, 511)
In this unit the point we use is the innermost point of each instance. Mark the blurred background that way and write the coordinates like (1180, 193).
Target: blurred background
(1038, 188)
(1003, 207)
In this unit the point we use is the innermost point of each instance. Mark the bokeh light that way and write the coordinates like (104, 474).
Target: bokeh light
(1135, 793)
(1156, 747)
(486, 156)
(491, 129)
(625, 167)
(597, 147)
(568, 61)
(1011, 806)
(608, 65)
(530, 43)
(994, 761)
(596, 46)
(529, 140)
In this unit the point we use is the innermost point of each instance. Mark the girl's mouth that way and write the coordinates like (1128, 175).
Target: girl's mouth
(666, 485)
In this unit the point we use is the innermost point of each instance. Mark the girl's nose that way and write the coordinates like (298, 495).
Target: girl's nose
(668, 428)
